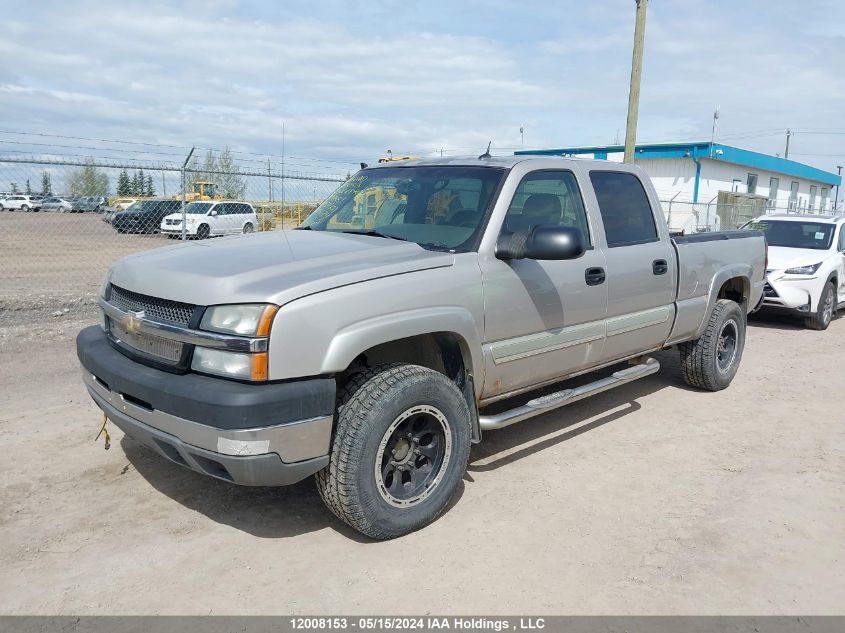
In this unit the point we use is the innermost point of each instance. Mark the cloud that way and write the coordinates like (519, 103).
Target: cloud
(350, 80)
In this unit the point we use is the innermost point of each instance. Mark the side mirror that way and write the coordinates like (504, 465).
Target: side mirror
(544, 242)
(213, 212)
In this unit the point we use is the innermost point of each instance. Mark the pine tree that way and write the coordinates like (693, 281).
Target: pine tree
(150, 188)
(28, 188)
(124, 185)
(14, 187)
(46, 185)
(137, 185)
(142, 183)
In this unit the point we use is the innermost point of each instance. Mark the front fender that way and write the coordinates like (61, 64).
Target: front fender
(354, 339)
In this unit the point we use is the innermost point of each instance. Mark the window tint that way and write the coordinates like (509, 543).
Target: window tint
(842, 238)
(223, 209)
(624, 207)
(547, 197)
(244, 209)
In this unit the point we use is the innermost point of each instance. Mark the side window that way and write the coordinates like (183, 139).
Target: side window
(244, 209)
(624, 207)
(842, 238)
(223, 209)
(547, 197)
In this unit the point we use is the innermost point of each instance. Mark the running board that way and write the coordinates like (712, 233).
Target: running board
(561, 398)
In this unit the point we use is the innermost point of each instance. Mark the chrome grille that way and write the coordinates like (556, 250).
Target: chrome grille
(160, 348)
(161, 309)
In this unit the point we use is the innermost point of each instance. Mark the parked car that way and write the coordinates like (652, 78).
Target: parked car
(55, 205)
(368, 346)
(18, 202)
(144, 216)
(806, 269)
(89, 204)
(204, 219)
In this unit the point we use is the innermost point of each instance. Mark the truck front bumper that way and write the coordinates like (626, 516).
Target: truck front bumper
(272, 434)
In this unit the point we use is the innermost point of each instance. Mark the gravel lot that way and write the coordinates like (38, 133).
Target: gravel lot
(653, 498)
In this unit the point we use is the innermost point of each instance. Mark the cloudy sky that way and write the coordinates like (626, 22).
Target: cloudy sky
(350, 79)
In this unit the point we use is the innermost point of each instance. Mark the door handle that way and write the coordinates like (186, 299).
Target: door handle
(594, 276)
(659, 267)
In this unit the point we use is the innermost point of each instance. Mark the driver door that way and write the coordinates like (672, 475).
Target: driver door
(543, 319)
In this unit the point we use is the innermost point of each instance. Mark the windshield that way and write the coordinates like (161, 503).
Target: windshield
(198, 208)
(440, 208)
(794, 234)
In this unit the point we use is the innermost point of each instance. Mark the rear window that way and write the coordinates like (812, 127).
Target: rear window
(624, 207)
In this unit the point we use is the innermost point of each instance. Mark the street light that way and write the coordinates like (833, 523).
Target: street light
(836, 199)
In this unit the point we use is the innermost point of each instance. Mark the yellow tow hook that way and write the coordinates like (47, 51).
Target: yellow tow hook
(104, 432)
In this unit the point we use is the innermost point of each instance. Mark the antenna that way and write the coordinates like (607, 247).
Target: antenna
(486, 154)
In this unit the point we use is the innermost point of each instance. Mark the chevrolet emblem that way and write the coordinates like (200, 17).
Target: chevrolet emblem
(131, 321)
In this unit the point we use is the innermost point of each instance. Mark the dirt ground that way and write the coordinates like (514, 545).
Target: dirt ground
(650, 499)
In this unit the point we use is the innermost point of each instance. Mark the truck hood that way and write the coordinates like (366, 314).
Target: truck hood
(783, 257)
(274, 267)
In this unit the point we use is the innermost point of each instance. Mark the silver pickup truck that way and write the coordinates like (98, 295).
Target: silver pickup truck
(368, 345)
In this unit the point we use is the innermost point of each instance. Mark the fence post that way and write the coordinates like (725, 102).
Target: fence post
(184, 216)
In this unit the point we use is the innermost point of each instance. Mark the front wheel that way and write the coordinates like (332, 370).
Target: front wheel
(203, 232)
(400, 448)
(824, 313)
(711, 362)
(24, 207)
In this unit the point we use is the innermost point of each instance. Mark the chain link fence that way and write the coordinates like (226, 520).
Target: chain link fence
(63, 222)
(696, 217)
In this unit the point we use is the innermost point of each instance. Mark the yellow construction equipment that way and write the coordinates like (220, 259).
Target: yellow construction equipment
(391, 158)
(203, 190)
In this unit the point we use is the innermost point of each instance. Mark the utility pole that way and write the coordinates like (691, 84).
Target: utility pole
(269, 183)
(713, 131)
(636, 74)
(786, 152)
(521, 136)
(283, 173)
(163, 186)
(836, 199)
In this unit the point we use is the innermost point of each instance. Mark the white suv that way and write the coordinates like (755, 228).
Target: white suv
(17, 201)
(806, 270)
(204, 219)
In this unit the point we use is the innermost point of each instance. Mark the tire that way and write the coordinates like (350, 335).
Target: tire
(24, 208)
(826, 309)
(406, 408)
(711, 362)
(203, 232)
(248, 228)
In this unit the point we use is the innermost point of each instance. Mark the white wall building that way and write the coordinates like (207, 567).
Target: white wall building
(697, 172)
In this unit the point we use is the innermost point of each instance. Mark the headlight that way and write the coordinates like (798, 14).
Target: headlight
(230, 364)
(253, 319)
(803, 270)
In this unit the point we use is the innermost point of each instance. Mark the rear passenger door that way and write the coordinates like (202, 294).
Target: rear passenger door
(641, 266)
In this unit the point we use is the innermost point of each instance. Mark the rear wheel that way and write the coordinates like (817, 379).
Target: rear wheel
(248, 228)
(202, 231)
(400, 449)
(824, 313)
(711, 362)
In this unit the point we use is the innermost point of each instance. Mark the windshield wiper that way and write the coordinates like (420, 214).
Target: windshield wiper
(375, 233)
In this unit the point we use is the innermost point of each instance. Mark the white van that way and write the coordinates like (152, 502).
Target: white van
(212, 217)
